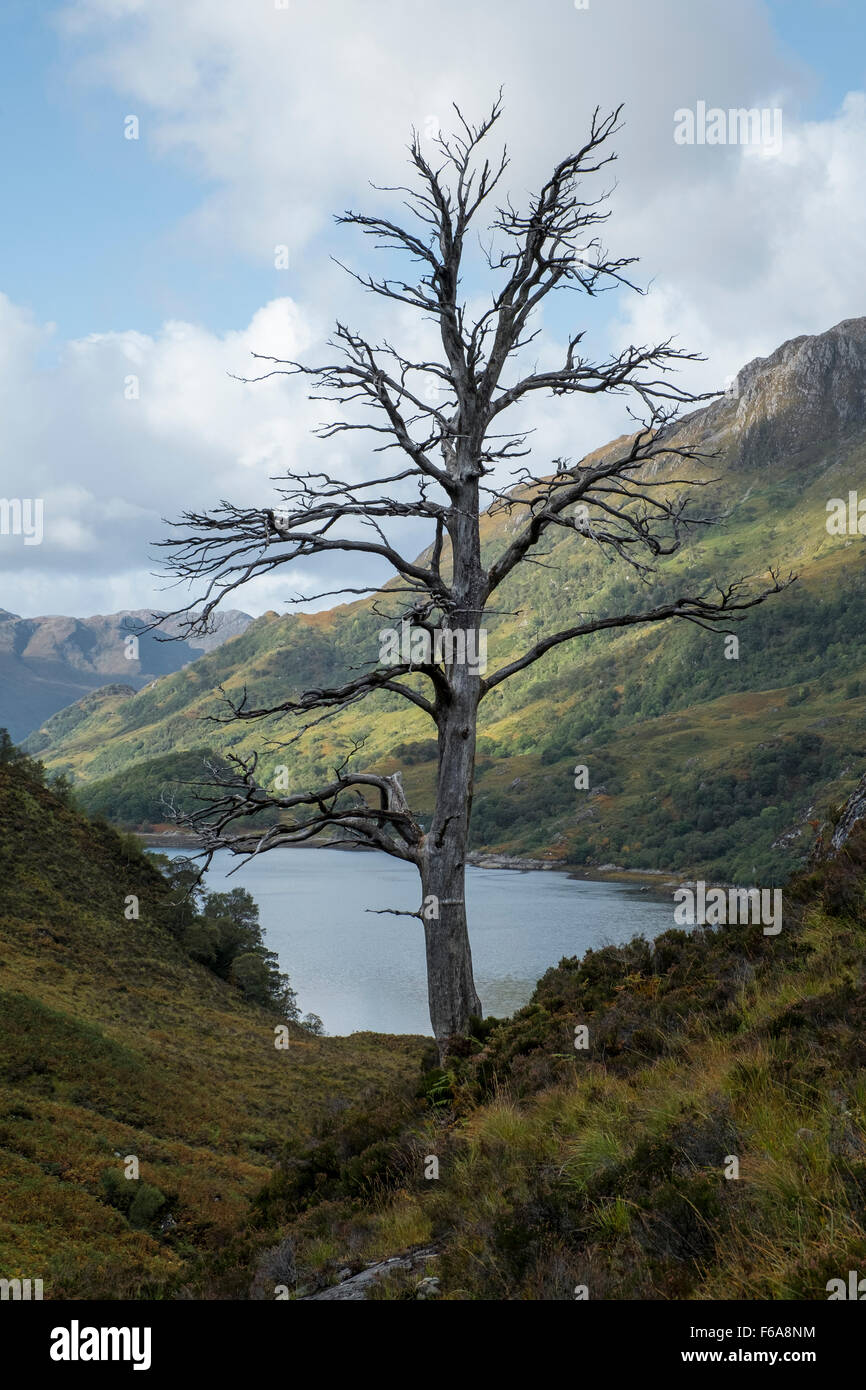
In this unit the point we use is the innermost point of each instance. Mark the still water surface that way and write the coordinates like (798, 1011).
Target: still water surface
(361, 971)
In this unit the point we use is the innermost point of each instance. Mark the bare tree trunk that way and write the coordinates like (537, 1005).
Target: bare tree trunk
(450, 984)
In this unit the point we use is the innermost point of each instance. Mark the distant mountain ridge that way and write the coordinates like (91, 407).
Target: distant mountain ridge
(723, 765)
(49, 662)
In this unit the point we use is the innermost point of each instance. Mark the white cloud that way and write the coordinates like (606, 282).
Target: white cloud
(765, 250)
(108, 468)
(285, 115)
(289, 110)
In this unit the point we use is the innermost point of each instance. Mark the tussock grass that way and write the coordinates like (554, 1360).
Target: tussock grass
(711, 1143)
(114, 1043)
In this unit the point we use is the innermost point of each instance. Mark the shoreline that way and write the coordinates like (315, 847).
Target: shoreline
(643, 879)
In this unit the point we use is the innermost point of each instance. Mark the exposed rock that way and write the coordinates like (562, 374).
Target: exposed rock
(806, 394)
(853, 811)
(510, 861)
(357, 1287)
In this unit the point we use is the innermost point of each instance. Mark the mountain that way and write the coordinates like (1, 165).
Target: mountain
(47, 663)
(699, 759)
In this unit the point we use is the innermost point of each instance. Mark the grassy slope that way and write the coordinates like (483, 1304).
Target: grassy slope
(114, 1042)
(607, 1167)
(557, 1168)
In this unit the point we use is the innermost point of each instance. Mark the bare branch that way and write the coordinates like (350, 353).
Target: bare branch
(388, 825)
(704, 612)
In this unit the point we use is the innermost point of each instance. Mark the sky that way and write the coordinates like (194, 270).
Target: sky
(152, 259)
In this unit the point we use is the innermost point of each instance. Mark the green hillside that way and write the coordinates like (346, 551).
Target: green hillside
(696, 762)
(273, 1174)
(610, 1167)
(115, 1042)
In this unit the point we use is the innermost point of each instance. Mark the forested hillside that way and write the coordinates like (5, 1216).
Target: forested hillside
(698, 758)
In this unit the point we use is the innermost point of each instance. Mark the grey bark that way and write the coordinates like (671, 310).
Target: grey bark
(449, 449)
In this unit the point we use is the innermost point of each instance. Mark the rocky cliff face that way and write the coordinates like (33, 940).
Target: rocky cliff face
(805, 395)
(49, 662)
(853, 812)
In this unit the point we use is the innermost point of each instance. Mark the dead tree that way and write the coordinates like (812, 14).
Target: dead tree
(446, 420)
